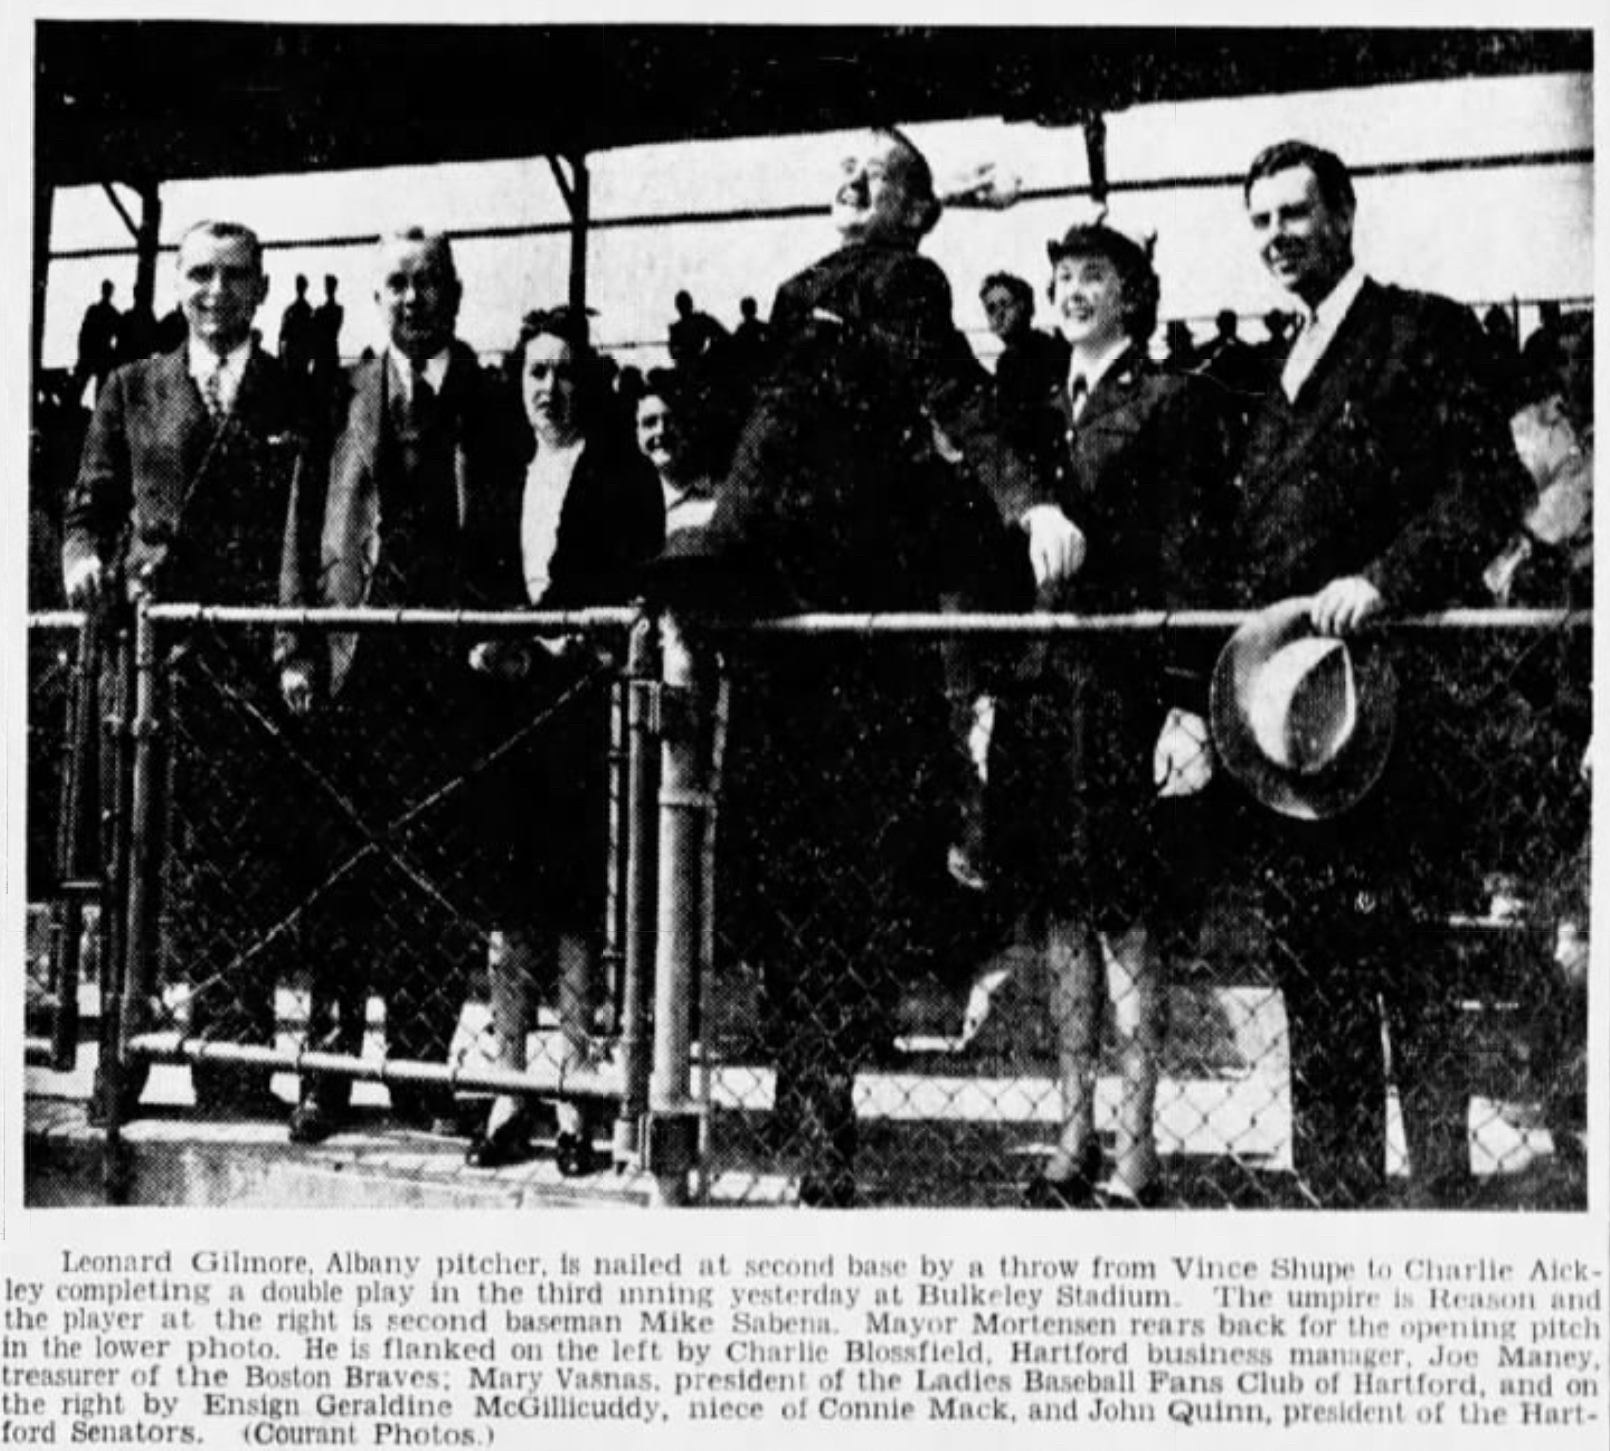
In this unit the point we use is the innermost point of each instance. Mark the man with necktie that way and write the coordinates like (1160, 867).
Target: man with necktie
(427, 456)
(1379, 477)
(182, 492)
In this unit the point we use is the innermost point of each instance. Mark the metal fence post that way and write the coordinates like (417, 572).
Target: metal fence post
(73, 881)
(642, 776)
(684, 801)
(135, 826)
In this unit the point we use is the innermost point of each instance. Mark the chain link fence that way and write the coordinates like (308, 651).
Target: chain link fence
(852, 937)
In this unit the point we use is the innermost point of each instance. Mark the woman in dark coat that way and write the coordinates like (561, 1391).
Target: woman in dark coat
(589, 515)
(1100, 748)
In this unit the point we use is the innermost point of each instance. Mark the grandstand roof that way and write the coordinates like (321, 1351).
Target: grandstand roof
(124, 100)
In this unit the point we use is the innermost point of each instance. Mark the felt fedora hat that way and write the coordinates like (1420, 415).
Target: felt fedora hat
(1303, 721)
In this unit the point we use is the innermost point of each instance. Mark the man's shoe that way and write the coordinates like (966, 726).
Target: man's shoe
(508, 1143)
(575, 1155)
(312, 1123)
(130, 1088)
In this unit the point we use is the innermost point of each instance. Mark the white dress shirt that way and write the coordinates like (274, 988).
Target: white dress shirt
(228, 368)
(1317, 330)
(402, 373)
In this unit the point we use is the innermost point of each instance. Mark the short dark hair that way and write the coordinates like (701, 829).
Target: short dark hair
(227, 231)
(1013, 285)
(1137, 278)
(1330, 171)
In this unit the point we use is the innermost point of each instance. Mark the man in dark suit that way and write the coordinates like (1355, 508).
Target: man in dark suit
(1379, 476)
(839, 498)
(425, 459)
(182, 491)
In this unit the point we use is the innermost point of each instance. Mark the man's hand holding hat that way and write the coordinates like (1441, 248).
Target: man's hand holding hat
(1345, 604)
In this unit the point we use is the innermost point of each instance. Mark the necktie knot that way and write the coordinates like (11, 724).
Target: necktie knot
(1078, 393)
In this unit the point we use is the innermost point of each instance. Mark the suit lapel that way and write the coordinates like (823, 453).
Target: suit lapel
(1288, 430)
(349, 544)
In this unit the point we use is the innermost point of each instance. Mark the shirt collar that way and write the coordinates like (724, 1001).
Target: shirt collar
(435, 370)
(1094, 369)
(1336, 303)
(204, 362)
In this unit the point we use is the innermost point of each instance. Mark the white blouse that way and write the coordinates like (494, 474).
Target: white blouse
(547, 483)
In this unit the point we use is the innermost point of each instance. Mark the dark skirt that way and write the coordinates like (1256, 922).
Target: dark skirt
(1076, 827)
(541, 802)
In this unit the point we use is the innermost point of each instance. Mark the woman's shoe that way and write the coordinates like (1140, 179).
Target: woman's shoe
(574, 1154)
(508, 1143)
(1069, 1191)
(1115, 1194)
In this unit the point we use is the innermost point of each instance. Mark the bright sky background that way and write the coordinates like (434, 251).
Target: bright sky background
(1477, 235)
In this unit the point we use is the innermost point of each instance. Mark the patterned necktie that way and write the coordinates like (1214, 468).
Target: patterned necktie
(1078, 395)
(212, 392)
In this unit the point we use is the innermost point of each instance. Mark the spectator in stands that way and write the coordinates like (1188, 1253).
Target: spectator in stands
(1503, 357)
(1179, 347)
(684, 484)
(1098, 753)
(1379, 476)
(297, 332)
(1541, 355)
(1031, 364)
(97, 340)
(749, 342)
(138, 334)
(1236, 366)
(1277, 326)
(693, 335)
(588, 516)
(425, 457)
(837, 499)
(327, 319)
(182, 492)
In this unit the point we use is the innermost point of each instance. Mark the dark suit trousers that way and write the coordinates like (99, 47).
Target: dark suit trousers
(401, 910)
(1355, 943)
(229, 861)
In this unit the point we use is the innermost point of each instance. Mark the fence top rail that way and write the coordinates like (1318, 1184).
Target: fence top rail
(1138, 621)
(891, 623)
(497, 621)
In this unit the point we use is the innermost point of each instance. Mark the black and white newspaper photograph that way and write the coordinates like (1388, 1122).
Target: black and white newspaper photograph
(636, 627)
